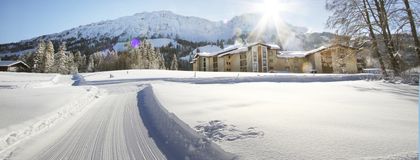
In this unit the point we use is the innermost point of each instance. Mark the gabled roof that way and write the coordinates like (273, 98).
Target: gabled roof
(244, 48)
(11, 63)
(301, 54)
(235, 49)
(298, 54)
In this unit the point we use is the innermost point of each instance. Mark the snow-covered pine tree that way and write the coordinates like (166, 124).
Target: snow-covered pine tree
(70, 65)
(98, 59)
(159, 60)
(132, 61)
(61, 60)
(162, 61)
(111, 60)
(91, 64)
(49, 58)
(83, 63)
(78, 60)
(39, 57)
(174, 63)
(141, 56)
(151, 59)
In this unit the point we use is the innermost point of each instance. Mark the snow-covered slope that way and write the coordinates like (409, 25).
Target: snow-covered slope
(169, 24)
(158, 42)
(148, 24)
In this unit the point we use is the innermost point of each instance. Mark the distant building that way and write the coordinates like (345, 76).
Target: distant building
(255, 57)
(13, 66)
(333, 59)
(260, 57)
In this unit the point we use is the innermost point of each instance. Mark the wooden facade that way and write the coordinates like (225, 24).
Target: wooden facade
(13, 66)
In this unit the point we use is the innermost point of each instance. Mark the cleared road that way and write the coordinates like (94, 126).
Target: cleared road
(112, 129)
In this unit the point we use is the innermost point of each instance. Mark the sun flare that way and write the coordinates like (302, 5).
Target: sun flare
(270, 8)
(271, 18)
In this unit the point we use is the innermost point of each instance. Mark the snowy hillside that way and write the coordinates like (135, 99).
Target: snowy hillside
(157, 43)
(169, 24)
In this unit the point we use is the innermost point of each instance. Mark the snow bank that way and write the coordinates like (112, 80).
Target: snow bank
(176, 139)
(279, 78)
(216, 77)
(12, 135)
(10, 80)
(78, 79)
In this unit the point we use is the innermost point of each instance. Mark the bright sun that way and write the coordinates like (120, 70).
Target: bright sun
(271, 21)
(270, 8)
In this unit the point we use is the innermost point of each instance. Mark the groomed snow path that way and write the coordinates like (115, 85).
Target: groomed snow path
(111, 129)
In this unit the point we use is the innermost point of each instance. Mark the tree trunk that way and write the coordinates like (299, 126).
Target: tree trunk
(413, 27)
(383, 23)
(374, 40)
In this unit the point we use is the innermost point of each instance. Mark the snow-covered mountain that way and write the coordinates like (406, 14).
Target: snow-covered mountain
(170, 25)
(148, 24)
(165, 24)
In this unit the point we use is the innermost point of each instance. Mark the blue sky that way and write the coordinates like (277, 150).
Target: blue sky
(24, 19)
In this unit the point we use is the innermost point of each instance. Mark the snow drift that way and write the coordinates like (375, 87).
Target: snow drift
(175, 138)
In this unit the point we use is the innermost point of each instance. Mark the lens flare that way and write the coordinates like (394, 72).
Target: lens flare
(135, 43)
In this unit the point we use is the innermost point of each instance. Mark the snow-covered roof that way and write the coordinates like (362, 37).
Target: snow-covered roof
(301, 54)
(206, 51)
(235, 51)
(273, 46)
(10, 63)
(298, 54)
(207, 54)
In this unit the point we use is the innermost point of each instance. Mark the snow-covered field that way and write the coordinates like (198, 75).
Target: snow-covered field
(28, 80)
(320, 120)
(32, 103)
(253, 115)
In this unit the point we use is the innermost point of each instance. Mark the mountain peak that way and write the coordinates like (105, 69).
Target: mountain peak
(161, 12)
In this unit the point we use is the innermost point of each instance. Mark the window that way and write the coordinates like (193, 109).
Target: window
(215, 66)
(254, 53)
(204, 64)
(243, 63)
(264, 59)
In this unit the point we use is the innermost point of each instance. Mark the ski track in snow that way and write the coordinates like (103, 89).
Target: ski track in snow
(112, 129)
